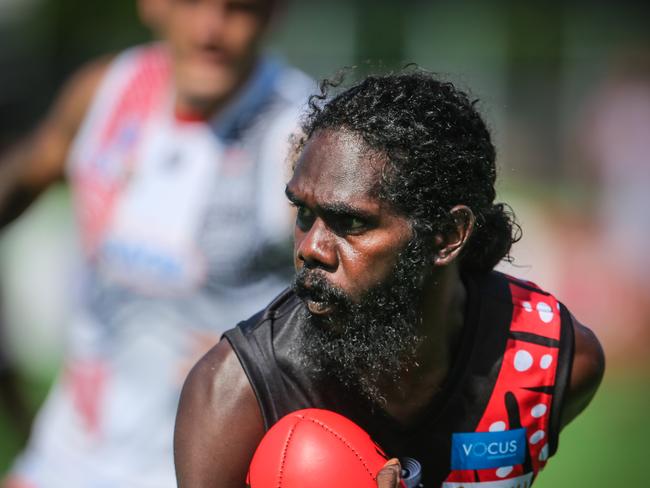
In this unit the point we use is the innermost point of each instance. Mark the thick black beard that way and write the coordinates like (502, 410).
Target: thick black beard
(365, 345)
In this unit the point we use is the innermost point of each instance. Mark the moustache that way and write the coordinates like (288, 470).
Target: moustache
(312, 285)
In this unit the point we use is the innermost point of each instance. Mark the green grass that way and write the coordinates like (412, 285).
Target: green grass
(606, 446)
(11, 440)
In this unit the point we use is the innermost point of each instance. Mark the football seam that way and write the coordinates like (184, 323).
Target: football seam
(284, 453)
(344, 441)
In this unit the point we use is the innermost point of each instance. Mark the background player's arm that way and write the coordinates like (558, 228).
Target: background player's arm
(26, 169)
(219, 423)
(586, 372)
(32, 164)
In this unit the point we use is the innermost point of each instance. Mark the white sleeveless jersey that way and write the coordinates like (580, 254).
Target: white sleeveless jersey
(185, 230)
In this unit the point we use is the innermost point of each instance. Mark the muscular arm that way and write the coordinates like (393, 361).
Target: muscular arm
(28, 167)
(218, 425)
(586, 372)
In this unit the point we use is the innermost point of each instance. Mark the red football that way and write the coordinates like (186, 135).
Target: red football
(315, 448)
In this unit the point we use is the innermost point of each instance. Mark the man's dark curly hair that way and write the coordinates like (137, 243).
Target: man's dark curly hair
(439, 154)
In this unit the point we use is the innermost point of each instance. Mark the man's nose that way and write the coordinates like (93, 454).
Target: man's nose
(317, 249)
(211, 19)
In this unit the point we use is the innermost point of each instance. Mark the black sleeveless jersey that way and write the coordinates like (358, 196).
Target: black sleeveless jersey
(509, 374)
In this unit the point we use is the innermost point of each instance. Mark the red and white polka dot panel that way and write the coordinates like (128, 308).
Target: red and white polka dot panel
(535, 313)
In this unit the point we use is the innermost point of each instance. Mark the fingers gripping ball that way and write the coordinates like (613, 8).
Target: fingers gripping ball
(315, 448)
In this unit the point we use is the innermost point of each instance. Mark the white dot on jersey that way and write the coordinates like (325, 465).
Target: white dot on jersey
(545, 312)
(523, 360)
(543, 454)
(545, 361)
(537, 436)
(527, 306)
(498, 426)
(538, 410)
(504, 471)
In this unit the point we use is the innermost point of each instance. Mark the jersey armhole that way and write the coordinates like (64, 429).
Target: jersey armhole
(562, 378)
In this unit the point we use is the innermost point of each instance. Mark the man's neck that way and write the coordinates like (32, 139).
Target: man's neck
(198, 108)
(443, 313)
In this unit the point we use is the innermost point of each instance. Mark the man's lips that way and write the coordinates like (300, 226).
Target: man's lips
(318, 308)
(210, 56)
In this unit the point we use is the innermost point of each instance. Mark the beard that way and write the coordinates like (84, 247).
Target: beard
(364, 344)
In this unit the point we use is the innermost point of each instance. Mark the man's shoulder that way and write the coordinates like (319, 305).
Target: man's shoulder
(496, 276)
(497, 284)
(155, 53)
(134, 67)
(582, 359)
(219, 423)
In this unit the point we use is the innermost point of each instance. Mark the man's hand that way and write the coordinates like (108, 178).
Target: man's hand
(389, 476)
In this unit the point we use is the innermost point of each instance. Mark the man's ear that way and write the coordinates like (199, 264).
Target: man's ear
(451, 244)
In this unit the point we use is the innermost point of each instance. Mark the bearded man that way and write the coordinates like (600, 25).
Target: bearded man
(396, 318)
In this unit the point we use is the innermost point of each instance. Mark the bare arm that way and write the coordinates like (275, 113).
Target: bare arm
(28, 167)
(586, 372)
(219, 423)
(219, 426)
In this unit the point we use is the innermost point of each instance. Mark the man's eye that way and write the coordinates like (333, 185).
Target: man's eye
(245, 6)
(304, 218)
(355, 223)
(349, 225)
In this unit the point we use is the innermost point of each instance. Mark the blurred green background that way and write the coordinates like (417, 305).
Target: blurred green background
(555, 81)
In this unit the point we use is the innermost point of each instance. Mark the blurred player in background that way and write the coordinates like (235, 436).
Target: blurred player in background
(175, 154)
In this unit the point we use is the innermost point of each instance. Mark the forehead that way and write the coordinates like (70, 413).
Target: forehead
(204, 11)
(263, 5)
(337, 165)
